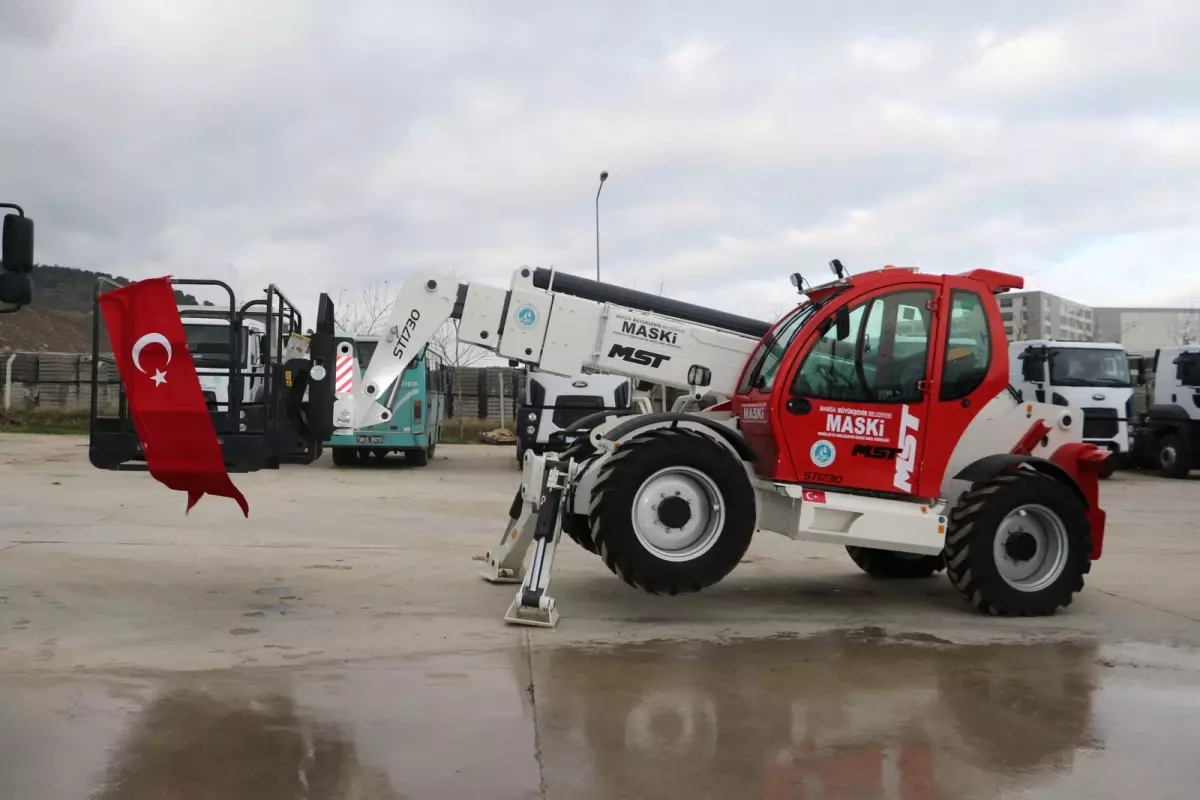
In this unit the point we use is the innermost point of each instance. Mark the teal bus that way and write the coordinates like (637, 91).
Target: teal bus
(418, 408)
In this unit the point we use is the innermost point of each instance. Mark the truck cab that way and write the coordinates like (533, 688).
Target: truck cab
(1168, 434)
(551, 403)
(1092, 376)
(210, 344)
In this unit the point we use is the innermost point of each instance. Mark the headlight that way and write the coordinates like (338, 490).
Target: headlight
(532, 417)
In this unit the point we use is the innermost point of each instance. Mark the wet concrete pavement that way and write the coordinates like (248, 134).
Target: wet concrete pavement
(338, 644)
(854, 714)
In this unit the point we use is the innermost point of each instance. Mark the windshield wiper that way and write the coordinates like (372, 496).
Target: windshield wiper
(1070, 382)
(1113, 382)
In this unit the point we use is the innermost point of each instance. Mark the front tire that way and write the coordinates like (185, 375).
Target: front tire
(344, 456)
(894, 564)
(1174, 458)
(416, 458)
(1019, 544)
(672, 512)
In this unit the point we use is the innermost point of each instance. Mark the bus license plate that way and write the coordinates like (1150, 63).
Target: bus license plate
(370, 439)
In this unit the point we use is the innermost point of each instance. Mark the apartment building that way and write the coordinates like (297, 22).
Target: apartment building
(1041, 315)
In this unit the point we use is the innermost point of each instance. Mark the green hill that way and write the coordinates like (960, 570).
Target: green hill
(60, 319)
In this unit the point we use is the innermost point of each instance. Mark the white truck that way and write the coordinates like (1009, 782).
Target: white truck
(1167, 437)
(1092, 376)
(550, 404)
(210, 344)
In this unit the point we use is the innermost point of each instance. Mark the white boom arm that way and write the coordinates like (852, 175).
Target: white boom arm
(553, 331)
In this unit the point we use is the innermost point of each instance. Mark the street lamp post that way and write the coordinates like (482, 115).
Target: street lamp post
(603, 178)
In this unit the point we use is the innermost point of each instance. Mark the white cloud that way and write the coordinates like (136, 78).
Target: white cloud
(317, 146)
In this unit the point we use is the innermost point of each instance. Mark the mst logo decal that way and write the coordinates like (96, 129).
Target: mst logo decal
(653, 331)
(906, 459)
(645, 358)
(875, 451)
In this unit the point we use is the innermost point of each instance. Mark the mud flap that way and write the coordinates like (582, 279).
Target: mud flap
(1085, 463)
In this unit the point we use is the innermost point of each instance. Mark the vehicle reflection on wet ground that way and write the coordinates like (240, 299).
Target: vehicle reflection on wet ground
(847, 715)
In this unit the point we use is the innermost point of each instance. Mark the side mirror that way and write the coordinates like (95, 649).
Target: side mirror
(17, 252)
(16, 256)
(1032, 367)
(842, 315)
(1187, 369)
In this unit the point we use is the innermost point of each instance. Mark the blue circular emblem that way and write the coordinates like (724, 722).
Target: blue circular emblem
(823, 453)
(527, 316)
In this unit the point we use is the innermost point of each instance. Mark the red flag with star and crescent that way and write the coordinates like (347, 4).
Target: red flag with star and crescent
(165, 400)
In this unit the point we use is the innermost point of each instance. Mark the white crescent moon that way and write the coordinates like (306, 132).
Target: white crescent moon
(148, 339)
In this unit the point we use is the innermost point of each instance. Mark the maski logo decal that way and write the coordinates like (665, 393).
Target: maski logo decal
(643, 331)
(754, 412)
(634, 356)
(907, 460)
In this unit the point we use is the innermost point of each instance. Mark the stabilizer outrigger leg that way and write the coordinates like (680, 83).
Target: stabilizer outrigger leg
(535, 518)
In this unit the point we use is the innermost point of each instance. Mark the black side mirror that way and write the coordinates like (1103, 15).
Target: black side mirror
(16, 256)
(1187, 369)
(842, 316)
(1033, 366)
(17, 242)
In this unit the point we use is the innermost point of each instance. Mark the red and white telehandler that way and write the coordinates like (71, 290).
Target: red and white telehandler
(876, 415)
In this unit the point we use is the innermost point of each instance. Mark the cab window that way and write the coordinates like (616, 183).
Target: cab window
(881, 359)
(968, 346)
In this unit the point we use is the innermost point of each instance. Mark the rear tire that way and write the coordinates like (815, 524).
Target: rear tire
(693, 539)
(894, 564)
(344, 456)
(1174, 458)
(1019, 544)
(416, 458)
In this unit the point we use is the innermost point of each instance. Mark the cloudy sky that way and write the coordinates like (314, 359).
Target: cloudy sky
(322, 146)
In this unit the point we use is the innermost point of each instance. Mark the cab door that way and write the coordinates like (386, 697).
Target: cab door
(854, 405)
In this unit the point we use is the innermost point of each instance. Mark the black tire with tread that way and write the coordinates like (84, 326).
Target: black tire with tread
(974, 522)
(1183, 457)
(890, 564)
(416, 458)
(574, 525)
(344, 456)
(612, 500)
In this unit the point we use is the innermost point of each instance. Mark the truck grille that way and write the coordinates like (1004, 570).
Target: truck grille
(576, 407)
(1099, 423)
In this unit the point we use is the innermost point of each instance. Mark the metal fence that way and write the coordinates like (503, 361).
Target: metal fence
(40, 381)
(54, 382)
(37, 381)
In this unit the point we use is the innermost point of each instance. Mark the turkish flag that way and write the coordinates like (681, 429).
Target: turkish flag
(165, 400)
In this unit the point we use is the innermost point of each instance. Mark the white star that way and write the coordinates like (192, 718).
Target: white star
(159, 377)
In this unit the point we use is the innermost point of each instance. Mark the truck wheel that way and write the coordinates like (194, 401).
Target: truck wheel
(417, 458)
(673, 512)
(1108, 467)
(575, 525)
(344, 456)
(1174, 459)
(1019, 544)
(894, 564)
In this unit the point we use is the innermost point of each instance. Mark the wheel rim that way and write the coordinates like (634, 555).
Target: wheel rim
(678, 513)
(1031, 548)
(1166, 456)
